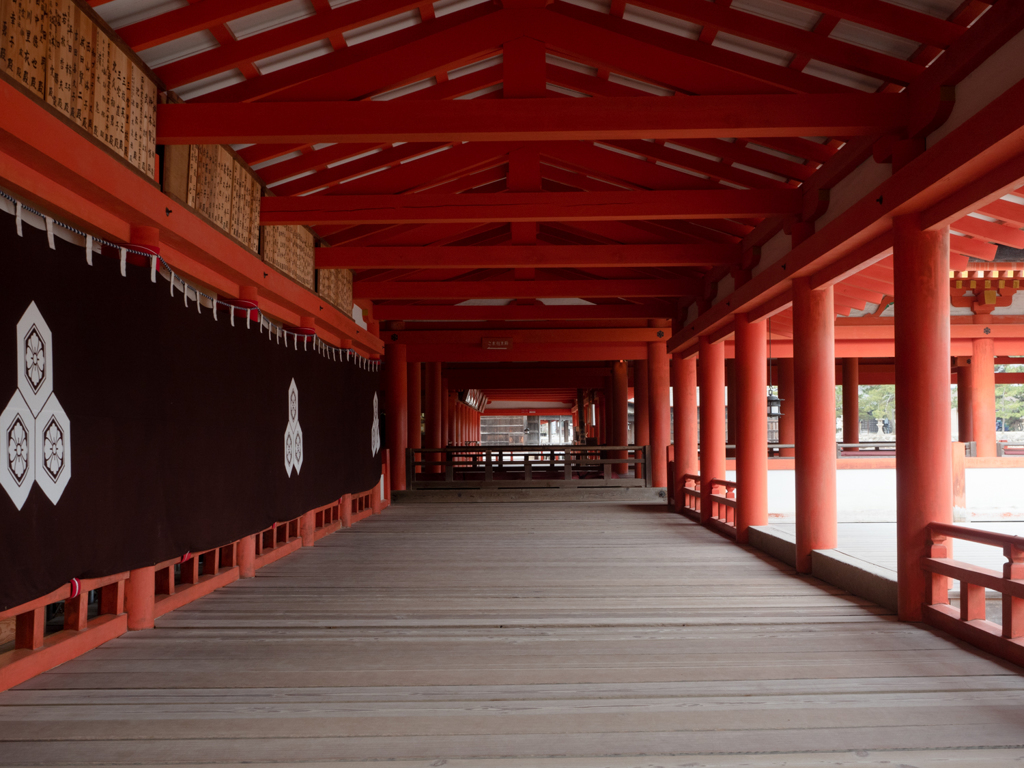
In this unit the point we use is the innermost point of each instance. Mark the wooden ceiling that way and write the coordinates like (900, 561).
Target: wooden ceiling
(528, 158)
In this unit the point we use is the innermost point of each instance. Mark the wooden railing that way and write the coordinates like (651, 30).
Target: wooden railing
(35, 651)
(969, 622)
(536, 466)
(691, 495)
(723, 506)
(133, 600)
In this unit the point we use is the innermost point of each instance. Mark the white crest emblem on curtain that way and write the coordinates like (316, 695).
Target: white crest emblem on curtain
(293, 433)
(375, 429)
(35, 432)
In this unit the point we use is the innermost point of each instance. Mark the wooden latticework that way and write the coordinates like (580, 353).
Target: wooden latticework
(55, 50)
(335, 285)
(290, 250)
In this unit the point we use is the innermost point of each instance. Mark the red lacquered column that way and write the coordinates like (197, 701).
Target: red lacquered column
(924, 475)
(684, 396)
(814, 379)
(396, 404)
(712, 420)
(751, 425)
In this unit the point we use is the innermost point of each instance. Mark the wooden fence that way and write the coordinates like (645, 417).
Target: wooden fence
(135, 599)
(562, 466)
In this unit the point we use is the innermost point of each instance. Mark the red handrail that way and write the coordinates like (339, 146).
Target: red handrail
(132, 600)
(970, 621)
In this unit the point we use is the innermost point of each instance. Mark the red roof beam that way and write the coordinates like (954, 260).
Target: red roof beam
(854, 114)
(529, 206)
(715, 169)
(315, 160)
(1005, 210)
(185, 21)
(375, 66)
(680, 64)
(434, 312)
(512, 256)
(526, 289)
(431, 171)
(280, 39)
(890, 18)
(969, 246)
(350, 170)
(788, 38)
(991, 231)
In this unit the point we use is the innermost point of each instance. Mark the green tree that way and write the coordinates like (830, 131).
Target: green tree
(879, 402)
(1010, 398)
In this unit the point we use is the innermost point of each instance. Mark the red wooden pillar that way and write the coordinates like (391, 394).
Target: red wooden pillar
(30, 630)
(660, 408)
(608, 425)
(787, 421)
(447, 411)
(346, 510)
(814, 379)
(396, 406)
(851, 400)
(434, 414)
(140, 598)
(751, 425)
(684, 397)
(924, 475)
(620, 412)
(641, 409)
(964, 403)
(415, 386)
(712, 420)
(307, 528)
(983, 394)
(247, 557)
(731, 407)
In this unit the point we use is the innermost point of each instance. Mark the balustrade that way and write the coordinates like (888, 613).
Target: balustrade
(133, 600)
(563, 466)
(969, 622)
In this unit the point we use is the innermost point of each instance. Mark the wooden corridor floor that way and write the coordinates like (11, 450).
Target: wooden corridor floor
(550, 636)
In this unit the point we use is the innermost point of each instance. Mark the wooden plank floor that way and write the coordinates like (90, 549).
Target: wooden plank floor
(556, 636)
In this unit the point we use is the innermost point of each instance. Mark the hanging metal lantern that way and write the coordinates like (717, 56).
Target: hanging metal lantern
(774, 406)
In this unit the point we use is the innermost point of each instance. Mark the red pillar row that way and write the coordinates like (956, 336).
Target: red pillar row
(851, 400)
(787, 421)
(660, 410)
(964, 403)
(415, 411)
(447, 411)
(983, 393)
(684, 395)
(641, 409)
(434, 414)
(396, 406)
(712, 420)
(751, 420)
(620, 412)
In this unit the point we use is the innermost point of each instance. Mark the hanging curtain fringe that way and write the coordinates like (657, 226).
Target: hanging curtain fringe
(156, 262)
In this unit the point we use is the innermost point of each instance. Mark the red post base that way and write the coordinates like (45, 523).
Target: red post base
(140, 594)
